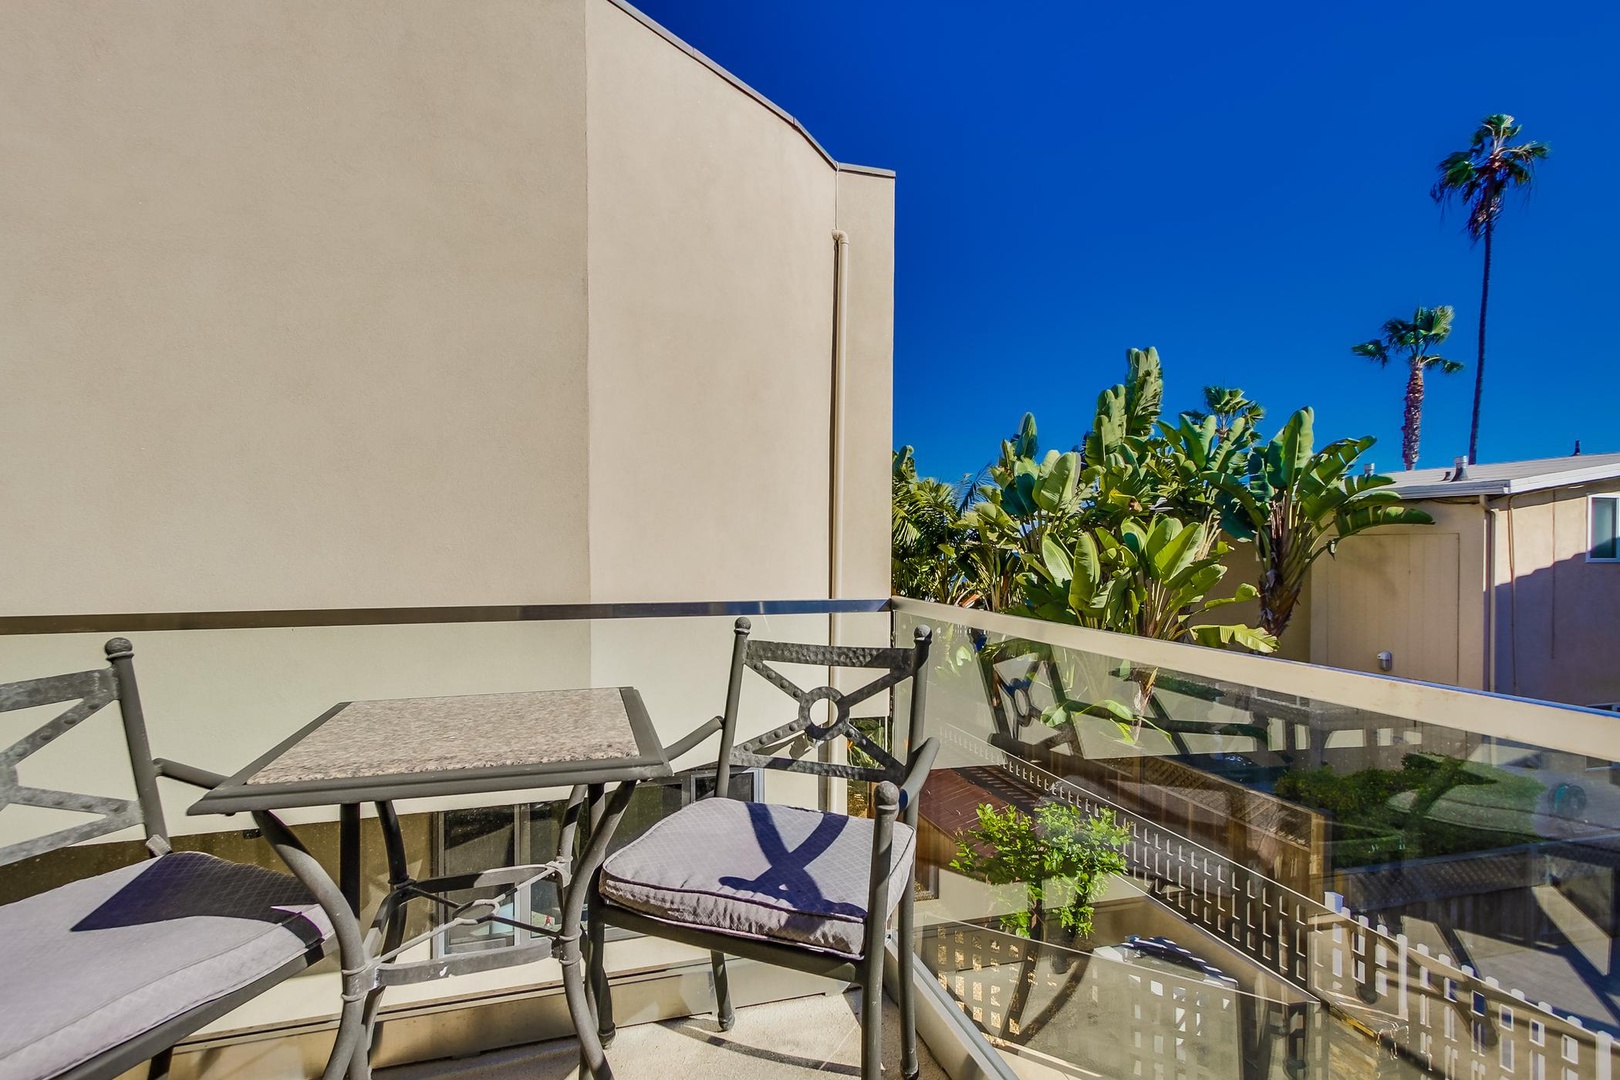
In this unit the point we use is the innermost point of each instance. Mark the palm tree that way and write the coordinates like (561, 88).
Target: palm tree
(1411, 339)
(1479, 178)
(1227, 405)
(925, 522)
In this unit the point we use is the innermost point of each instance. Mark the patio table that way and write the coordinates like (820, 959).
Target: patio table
(380, 751)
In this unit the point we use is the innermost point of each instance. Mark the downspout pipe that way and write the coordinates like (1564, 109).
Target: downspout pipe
(832, 794)
(840, 344)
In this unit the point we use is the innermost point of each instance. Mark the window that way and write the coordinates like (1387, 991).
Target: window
(1604, 514)
(476, 839)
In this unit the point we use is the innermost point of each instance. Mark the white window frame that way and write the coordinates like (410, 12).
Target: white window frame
(1591, 525)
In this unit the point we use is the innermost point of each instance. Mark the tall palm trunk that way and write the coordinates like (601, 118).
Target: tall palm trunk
(1412, 424)
(1479, 369)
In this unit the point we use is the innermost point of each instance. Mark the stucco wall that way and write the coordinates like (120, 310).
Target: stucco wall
(866, 216)
(374, 305)
(712, 288)
(292, 305)
(1417, 592)
(1554, 608)
(711, 285)
(398, 305)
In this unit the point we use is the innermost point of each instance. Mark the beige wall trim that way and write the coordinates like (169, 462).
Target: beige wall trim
(656, 28)
(131, 622)
(1555, 726)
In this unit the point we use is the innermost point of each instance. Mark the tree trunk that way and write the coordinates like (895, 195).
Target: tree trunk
(1412, 421)
(1479, 364)
(1277, 602)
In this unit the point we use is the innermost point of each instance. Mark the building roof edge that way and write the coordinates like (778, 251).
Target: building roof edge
(650, 23)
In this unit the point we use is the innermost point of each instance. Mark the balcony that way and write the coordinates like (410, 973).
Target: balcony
(1325, 873)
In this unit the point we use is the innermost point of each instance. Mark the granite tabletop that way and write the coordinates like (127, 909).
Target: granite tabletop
(480, 731)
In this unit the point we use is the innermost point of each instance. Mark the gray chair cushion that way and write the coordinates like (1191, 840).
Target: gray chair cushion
(758, 870)
(95, 963)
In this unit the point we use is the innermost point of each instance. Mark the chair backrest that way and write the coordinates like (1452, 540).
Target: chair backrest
(1012, 669)
(896, 664)
(90, 692)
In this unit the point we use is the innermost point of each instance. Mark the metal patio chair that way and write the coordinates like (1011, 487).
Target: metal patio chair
(796, 888)
(106, 972)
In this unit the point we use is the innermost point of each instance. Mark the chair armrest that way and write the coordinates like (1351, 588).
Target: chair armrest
(694, 738)
(917, 770)
(189, 774)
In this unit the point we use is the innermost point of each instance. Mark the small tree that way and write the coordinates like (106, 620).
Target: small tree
(1410, 340)
(1058, 853)
(1297, 506)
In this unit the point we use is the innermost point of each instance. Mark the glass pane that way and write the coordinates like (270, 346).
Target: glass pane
(1134, 870)
(545, 828)
(742, 784)
(650, 804)
(475, 840)
(1603, 528)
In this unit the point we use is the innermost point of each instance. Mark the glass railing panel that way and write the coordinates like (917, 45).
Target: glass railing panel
(1384, 878)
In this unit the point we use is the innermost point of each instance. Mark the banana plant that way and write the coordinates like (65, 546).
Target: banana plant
(1297, 505)
(1198, 457)
(1036, 493)
(1129, 409)
(1151, 578)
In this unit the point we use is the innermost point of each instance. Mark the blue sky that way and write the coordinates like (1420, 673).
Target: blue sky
(1244, 186)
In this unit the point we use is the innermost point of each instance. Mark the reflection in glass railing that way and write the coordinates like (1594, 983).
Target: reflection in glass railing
(1312, 887)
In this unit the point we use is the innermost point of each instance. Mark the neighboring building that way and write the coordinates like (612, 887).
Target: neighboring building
(1513, 589)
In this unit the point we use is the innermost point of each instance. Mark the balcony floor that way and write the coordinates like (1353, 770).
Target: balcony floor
(797, 1038)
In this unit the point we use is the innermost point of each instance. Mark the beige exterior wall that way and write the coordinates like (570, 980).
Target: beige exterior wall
(1554, 609)
(1417, 592)
(1413, 591)
(1428, 595)
(372, 305)
(292, 305)
(866, 216)
(711, 291)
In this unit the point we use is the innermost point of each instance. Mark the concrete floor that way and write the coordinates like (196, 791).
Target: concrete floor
(782, 1040)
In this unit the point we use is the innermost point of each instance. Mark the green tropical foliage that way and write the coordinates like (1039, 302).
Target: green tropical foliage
(1150, 578)
(926, 520)
(1227, 405)
(1479, 178)
(1062, 857)
(1128, 532)
(1410, 340)
(1296, 505)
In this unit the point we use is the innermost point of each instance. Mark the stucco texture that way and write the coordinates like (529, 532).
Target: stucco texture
(291, 305)
(383, 305)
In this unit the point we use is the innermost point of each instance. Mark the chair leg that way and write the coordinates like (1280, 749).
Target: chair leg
(722, 992)
(350, 1055)
(158, 1068)
(910, 1068)
(872, 1019)
(601, 994)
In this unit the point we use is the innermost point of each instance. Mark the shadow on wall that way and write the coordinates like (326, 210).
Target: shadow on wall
(1554, 633)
